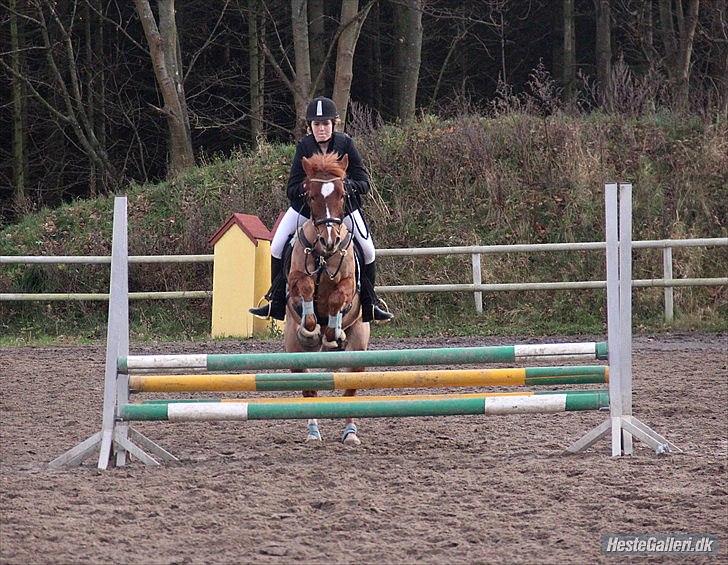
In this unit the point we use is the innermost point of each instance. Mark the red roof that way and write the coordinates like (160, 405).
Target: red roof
(250, 224)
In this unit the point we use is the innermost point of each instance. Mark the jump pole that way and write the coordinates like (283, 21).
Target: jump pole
(372, 358)
(443, 405)
(528, 376)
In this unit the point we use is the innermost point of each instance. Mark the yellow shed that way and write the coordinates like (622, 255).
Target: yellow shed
(241, 276)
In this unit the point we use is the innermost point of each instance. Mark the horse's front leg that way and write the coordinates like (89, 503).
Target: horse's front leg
(349, 436)
(314, 434)
(309, 332)
(343, 293)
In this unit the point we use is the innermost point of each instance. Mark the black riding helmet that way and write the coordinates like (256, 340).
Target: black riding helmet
(321, 108)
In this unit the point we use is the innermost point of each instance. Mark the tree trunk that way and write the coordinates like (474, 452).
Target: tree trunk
(90, 67)
(256, 64)
(719, 65)
(317, 42)
(678, 44)
(173, 57)
(375, 61)
(645, 32)
(163, 52)
(667, 27)
(353, 21)
(409, 56)
(302, 80)
(557, 42)
(604, 48)
(19, 196)
(569, 76)
(100, 90)
(687, 37)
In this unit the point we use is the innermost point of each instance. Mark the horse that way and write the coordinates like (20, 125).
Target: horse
(322, 277)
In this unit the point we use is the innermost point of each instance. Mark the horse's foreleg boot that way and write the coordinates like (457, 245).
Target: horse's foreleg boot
(334, 336)
(314, 434)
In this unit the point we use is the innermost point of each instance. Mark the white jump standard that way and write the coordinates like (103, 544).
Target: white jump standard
(126, 373)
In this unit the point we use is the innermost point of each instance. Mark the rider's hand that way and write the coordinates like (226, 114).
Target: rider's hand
(349, 187)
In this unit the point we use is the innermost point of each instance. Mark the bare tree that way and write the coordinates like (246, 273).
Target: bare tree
(257, 69)
(678, 43)
(409, 56)
(345, 52)
(18, 111)
(164, 51)
(604, 46)
(317, 43)
(302, 84)
(62, 93)
(569, 51)
(719, 65)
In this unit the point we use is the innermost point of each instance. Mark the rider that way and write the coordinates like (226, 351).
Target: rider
(322, 116)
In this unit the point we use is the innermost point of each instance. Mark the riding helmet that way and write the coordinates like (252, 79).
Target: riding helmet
(321, 108)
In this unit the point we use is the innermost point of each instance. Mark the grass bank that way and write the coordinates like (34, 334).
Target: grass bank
(515, 178)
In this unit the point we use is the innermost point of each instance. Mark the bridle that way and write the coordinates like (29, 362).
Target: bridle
(321, 259)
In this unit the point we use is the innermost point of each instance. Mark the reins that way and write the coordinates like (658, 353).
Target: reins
(320, 260)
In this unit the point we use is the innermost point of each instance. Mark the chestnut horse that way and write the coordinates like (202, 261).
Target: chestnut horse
(322, 277)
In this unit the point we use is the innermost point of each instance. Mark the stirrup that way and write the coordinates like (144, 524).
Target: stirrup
(381, 315)
(262, 311)
(377, 312)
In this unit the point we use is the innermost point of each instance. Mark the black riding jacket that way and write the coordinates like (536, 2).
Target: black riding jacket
(357, 177)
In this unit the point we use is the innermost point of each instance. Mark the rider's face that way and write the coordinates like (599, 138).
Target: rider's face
(322, 130)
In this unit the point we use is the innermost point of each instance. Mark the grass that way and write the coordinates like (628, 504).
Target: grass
(513, 178)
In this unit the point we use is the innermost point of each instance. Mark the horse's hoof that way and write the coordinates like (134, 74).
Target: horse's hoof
(349, 436)
(313, 438)
(326, 344)
(309, 339)
(338, 343)
(352, 439)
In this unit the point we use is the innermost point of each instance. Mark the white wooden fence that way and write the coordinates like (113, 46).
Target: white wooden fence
(477, 287)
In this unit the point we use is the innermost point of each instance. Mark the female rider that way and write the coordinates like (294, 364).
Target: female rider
(322, 116)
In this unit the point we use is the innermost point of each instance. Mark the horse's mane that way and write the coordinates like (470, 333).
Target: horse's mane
(327, 163)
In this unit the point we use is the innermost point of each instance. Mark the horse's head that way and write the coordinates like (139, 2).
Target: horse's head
(324, 187)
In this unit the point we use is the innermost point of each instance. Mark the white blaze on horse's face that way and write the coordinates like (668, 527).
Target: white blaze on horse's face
(326, 190)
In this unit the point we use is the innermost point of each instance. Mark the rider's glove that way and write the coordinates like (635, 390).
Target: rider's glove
(349, 187)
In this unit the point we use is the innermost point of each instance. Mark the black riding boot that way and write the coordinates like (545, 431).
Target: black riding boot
(276, 307)
(370, 304)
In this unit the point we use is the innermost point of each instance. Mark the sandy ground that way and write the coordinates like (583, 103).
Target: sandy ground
(453, 489)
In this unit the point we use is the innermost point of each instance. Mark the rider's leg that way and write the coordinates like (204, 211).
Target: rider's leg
(276, 308)
(372, 308)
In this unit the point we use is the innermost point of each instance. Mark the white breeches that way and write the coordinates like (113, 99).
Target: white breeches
(292, 219)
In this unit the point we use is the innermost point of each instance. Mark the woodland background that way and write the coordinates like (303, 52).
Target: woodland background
(98, 93)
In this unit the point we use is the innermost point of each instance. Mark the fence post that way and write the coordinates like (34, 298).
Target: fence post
(667, 274)
(478, 295)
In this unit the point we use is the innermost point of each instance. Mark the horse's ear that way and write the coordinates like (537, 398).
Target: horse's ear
(307, 167)
(344, 161)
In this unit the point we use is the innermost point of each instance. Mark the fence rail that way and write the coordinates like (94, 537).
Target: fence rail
(476, 287)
